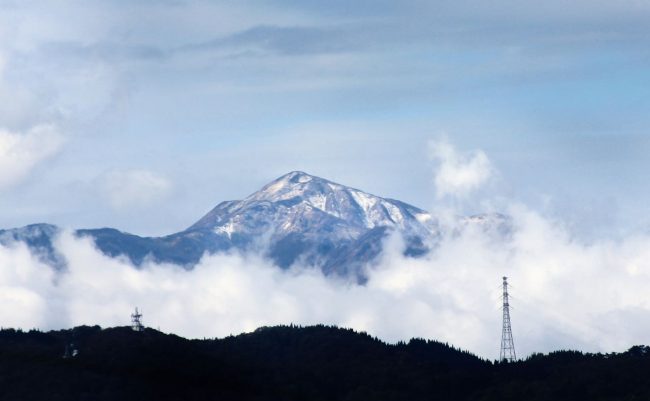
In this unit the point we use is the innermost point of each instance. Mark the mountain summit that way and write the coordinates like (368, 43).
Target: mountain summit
(314, 220)
(303, 198)
(297, 218)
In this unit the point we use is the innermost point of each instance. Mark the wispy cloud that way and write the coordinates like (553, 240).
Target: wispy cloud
(133, 188)
(21, 153)
(456, 174)
(201, 79)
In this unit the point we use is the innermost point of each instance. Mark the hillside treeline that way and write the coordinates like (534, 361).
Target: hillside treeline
(297, 363)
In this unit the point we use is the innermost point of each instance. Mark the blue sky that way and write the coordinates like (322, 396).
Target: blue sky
(143, 115)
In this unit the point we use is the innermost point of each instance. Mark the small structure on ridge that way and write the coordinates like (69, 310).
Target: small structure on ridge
(136, 322)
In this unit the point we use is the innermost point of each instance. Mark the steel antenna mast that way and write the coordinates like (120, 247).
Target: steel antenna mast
(136, 322)
(507, 344)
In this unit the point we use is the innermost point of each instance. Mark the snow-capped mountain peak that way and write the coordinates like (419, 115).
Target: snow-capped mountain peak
(297, 217)
(312, 190)
(299, 197)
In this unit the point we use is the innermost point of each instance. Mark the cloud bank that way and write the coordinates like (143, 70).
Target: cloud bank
(567, 294)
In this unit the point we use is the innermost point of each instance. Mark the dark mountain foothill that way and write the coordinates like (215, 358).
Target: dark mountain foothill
(296, 363)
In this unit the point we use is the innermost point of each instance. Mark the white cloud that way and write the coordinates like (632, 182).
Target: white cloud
(458, 174)
(133, 188)
(566, 294)
(25, 285)
(20, 153)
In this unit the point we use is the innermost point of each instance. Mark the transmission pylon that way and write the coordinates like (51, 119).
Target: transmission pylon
(136, 323)
(507, 344)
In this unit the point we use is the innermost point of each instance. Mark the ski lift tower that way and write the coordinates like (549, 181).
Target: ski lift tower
(136, 323)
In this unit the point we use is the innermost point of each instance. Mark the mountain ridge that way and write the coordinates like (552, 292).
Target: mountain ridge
(298, 218)
(297, 363)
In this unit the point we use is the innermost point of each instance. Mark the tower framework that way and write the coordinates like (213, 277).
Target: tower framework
(507, 343)
(136, 322)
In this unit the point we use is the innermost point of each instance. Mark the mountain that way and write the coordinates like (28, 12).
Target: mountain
(297, 363)
(298, 218)
(272, 363)
(38, 237)
(316, 221)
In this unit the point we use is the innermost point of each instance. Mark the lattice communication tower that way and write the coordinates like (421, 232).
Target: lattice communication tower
(136, 322)
(507, 344)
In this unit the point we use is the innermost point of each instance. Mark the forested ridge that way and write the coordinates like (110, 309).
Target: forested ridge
(297, 363)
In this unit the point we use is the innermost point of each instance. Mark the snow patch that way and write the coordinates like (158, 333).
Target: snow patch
(364, 200)
(304, 178)
(394, 212)
(227, 229)
(318, 201)
(274, 187)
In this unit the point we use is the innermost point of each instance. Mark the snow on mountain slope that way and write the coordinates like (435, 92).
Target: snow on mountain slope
(313, 220)
(299, 202)
(298, 218)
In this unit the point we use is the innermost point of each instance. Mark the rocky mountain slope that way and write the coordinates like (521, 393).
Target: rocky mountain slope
(298, 218)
